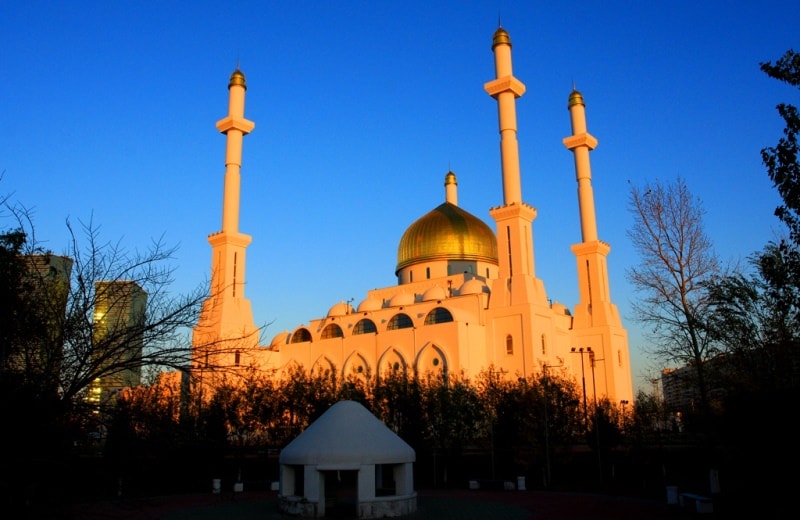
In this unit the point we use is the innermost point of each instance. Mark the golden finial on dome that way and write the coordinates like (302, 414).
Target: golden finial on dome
(237, 78)
(575, 98)
(450, 178)
(500, 36)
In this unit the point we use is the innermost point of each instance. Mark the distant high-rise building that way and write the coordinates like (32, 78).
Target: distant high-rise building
(119, 316)
(38, 353)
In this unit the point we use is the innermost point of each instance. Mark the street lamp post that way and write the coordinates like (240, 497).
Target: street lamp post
(581, 351)
(547, 423)
(623, 403)
(596, 422)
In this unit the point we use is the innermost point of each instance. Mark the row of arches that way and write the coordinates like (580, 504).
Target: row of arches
(431, 359)
(367, 326)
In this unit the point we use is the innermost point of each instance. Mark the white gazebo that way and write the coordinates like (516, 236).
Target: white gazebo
(347, 461)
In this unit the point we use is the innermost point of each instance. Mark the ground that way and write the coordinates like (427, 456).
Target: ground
(433, 504)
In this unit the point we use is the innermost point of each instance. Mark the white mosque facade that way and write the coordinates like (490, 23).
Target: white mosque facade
(467, 297)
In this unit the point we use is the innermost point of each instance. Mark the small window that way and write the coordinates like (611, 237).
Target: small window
(399, 321)
(237, 358)
(544, 346)
(332, 331)
(365, 326)
(509, 345)
(438, 315)
(428, 273)
(300, 336)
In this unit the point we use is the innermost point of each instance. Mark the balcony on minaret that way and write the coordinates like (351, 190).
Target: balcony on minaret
(584, 139)
(500, 85)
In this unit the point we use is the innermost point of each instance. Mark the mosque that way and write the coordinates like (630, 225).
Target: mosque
(467, 297)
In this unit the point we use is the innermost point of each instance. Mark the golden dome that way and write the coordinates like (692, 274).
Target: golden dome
(447, 233)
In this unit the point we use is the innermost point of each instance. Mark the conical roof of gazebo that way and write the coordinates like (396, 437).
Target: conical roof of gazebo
(345, 435)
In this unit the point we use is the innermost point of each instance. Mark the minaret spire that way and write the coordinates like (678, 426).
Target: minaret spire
(506, 89)
(581, 143)
(235, 127)
(451, 188)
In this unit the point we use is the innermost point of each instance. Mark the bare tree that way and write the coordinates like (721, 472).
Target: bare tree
(159, 335)
(676, 259)
(154, 336)
(54, 354)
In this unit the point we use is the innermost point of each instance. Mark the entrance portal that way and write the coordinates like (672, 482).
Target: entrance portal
(341, 494)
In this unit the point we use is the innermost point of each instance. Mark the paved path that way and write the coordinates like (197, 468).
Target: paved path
(435, 504)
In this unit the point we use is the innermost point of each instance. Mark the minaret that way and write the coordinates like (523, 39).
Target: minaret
(227, 315)
(516, 281)
(595, 301)
(596, 322)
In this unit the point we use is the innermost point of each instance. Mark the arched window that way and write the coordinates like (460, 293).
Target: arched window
(364, 326)
(509, 345)
(399, 321)
(438, 315)
(332, 331)
(300, 336)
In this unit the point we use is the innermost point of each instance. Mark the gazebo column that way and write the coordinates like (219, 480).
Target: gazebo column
(311, 483)
(404, 478)
(287, 481)
(366, 482)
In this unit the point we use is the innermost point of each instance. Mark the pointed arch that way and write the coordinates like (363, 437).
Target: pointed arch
(431, 359)
(392, 362)
(323, 366)
(356, 365)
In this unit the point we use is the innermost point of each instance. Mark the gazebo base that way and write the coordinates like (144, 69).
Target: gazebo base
(379, 507)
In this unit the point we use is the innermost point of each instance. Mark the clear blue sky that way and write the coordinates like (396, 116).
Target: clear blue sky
(109, 112)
